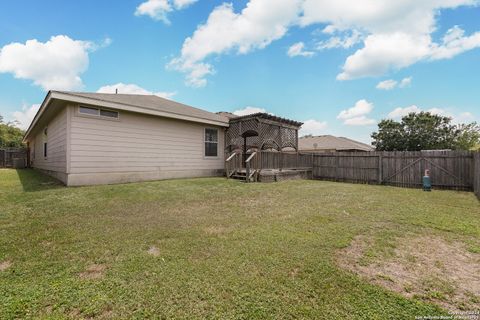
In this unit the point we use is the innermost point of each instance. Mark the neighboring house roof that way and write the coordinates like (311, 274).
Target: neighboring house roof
(146, 104)
(227, 114)
(328, 142)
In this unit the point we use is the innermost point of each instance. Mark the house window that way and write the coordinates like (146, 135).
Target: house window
(45, 140)
(109, 114)
(211, 142)
(87, 110)
(98, 112)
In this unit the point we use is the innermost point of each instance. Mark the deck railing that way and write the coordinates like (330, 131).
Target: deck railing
(232, 163)
(248, 169)
(262, 160)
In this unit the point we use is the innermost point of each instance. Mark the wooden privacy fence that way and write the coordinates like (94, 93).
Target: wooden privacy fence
(448, 169)
(458, 170)
(13, 158)
(476, 176)
(281, 160)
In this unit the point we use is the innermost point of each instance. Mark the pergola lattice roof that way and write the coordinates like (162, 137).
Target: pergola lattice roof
(262, 131)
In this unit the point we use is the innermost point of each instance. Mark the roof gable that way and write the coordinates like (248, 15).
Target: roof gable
(329, 142)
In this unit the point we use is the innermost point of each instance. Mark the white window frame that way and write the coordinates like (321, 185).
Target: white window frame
(205, 142)
(99, 114)
(88, 114)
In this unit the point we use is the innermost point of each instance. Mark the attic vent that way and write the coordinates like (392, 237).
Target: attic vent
(315, 145)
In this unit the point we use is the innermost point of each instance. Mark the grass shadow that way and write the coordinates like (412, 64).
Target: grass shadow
(34, 180)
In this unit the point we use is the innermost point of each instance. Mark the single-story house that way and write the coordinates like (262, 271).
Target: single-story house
(97, 138)
(329, 143)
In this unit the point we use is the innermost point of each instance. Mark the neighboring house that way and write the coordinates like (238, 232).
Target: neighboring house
(94, 138)
(328, 143)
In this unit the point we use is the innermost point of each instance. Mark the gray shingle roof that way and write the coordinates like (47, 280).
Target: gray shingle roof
(150, 102)
(328, 142)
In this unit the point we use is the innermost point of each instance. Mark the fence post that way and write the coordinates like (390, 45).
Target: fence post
(4, 158)
(336, 166)
(280, 161)
(313, 166)
(380, 169)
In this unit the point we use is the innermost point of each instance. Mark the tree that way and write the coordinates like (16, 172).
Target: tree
(468, 137)
(425, 131)
(10, 135)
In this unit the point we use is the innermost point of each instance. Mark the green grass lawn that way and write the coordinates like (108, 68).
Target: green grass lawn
(210, 248)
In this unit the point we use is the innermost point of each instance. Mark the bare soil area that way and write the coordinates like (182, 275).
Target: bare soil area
(425, 267)
(94, 271)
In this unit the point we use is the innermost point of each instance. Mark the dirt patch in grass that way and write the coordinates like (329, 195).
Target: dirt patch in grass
(154, 251)
(94, 271)
(294, 272)
(4, 265)
(428, 268)
(216, 230)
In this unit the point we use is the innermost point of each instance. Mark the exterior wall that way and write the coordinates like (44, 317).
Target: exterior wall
(138, 147)
(55, 163)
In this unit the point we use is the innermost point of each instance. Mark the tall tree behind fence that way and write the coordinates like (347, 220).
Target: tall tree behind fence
(448, 169)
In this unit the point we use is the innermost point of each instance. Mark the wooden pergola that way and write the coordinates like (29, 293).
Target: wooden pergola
(261, 131)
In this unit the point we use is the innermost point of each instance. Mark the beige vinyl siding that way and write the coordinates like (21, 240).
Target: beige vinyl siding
(56, 160)
(137, 143)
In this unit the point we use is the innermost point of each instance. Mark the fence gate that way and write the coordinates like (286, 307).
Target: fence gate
(452, 170)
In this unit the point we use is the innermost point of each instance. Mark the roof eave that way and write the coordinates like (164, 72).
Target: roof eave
(144, 110)
(119, 106)
(39, 113)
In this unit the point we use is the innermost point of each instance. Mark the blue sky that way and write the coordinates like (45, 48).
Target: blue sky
(340, 66)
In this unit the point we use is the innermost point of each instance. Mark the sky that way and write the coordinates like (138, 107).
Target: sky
(338, 66)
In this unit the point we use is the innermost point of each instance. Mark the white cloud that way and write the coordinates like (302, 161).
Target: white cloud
(465, 117)
(455, 42)
(395, 34)
(159, 9)
(392, 84)
(387, 84)
(357, 115)
(462, 117)
(133, 89)
(313, 127)
(255, 27)
(385, 52)
(55, 64)
(24, 117)
(248, 110)
(345, 42)
(406, 82)
(361, 107)
(297, 49)
(440, 112)
(399, 112)
(359, 121)
(180, 4)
